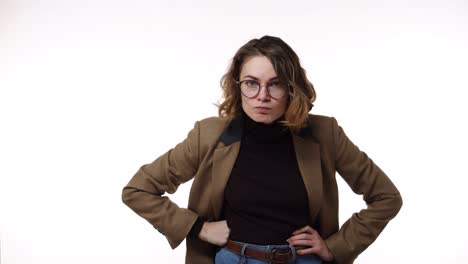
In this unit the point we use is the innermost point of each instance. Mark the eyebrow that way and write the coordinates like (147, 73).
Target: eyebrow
(255, 78)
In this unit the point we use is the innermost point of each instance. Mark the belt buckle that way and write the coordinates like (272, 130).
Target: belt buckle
(279, 251)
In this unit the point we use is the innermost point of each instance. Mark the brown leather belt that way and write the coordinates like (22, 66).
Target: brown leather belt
(276, 255)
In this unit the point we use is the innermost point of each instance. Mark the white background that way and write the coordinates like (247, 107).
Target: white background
(91, 90)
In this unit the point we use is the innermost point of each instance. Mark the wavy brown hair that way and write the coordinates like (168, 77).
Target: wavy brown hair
(288, 68)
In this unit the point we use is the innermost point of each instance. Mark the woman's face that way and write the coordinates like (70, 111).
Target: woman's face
(262, 108)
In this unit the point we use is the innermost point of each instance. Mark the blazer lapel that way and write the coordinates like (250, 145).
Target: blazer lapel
(308, 159)
(224, 157)
(223, 162)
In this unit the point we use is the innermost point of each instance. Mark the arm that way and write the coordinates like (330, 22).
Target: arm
(144, 193)
(216, 233)
(381, 196)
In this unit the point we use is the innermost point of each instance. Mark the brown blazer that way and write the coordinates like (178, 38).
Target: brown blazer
(208, 155)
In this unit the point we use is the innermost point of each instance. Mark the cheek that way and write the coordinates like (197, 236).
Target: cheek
(246, 102)
(282, 105)
(243, 102)
(245, 105)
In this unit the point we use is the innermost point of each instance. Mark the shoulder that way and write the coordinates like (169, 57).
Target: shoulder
(321, 126)
(214, 123)
(319, 119)
(212, 127)
(321, 122)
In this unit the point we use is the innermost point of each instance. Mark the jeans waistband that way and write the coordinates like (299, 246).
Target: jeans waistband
(264, 247)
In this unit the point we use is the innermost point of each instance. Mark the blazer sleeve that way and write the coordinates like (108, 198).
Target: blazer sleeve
(380, 194)
(144, 193)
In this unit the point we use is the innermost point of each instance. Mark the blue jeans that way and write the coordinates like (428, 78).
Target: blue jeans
(224, 256)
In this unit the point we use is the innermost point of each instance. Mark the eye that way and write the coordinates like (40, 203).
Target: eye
(251, 83)
(275, 84)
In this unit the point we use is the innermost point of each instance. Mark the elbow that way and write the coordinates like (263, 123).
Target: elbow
(398, 203)
(128, 196)
(394, 204)
(387, 205)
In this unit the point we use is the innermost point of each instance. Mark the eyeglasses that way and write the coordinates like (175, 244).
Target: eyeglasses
(251, 88)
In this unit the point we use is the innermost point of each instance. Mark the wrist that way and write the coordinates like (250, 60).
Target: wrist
(196, 228)
(328, 256)
(203, 231)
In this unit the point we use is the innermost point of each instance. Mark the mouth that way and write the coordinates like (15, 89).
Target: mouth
(262, 109)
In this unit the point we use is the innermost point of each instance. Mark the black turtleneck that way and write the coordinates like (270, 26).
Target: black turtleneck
(265, 199)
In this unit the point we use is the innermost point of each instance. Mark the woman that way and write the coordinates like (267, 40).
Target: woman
(264, 188)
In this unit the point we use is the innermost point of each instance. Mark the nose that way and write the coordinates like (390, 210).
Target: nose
(263, 94)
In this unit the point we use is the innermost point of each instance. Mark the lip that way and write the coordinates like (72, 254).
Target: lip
(262, 109)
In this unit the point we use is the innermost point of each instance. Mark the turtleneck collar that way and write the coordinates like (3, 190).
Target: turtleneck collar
(264, 133)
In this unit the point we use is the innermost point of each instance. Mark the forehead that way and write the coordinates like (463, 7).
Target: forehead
(259, 67)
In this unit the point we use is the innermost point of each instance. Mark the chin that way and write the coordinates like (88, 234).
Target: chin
(263, 119)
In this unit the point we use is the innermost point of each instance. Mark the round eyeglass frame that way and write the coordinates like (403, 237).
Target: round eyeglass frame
(260, 88)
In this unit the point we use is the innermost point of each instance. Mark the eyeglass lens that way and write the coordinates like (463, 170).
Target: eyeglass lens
(251, 88)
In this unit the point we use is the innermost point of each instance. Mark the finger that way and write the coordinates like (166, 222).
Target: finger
(300, 230)
(310, 250)
(305, 229)
(302, 236)
(302, 242)
(305, 243)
